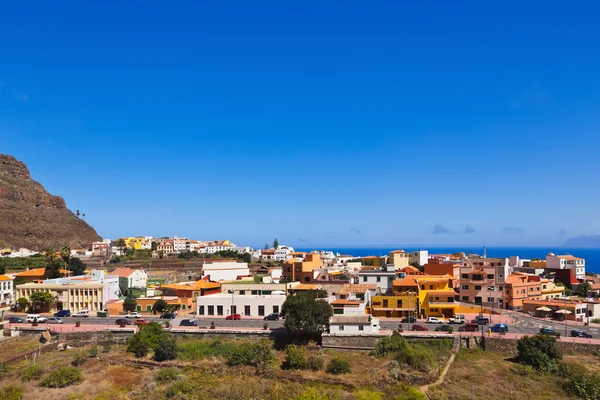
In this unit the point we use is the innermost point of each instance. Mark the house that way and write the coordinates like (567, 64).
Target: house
(217, 271)
(180, 244)
(420, 257)
(131, 279)
(166, 247)
(482, 280)
(551, 290)
(352, 299)
(283, 253)
(247, 299)
(353, 325)
(577, 310)
(383, 278)
(216, 246)
(6, 291)
(436, 266)
(399, 258)
(577, 265)
(189, 292)
(267, 255)
(519, 287)
(295, 270)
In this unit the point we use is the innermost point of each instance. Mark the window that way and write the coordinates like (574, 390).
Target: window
(148, 308)
(261, 311)
(341, 327)
(491, 288)
(430, 287)
(211, 310)
(201, 310)
(465, 276)
(465, 287)
(490, 276)
(276, 309)
(289, 269)
(422, 287)
(233, 309)
(378, 279)
(361, 328)
(246, 310)
(465, 298)
(219, 310)
(307, 279)
(364, 278)
(242, 292)
(490, 299)
(297, 269)
(500, 288)
(477, 287)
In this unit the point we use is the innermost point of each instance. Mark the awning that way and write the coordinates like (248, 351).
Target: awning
(563, 312)
(543, 308)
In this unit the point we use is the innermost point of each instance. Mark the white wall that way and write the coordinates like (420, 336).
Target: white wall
(225, 271)
(354, 329)
(421, 256)
(241, 301)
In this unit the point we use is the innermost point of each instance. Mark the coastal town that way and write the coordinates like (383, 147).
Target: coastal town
(220, 281)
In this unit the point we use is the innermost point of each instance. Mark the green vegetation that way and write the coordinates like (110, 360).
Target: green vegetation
(539, 351)
(76, 266)
(416, 356)
(275, 244)
(166, 349)
(31, 373)
(204, 349)
(62, 377)
(129, 304)
(580, 382)
(258, 354)
(165, 375)
(11, 393)
(338, 366)
(295, 357)
(596, 320)
(41, 299)
(78, 359)
(22, 302)
(306, 314)
(160, 306)
(52, 270)
(146, 339)
(21, 263)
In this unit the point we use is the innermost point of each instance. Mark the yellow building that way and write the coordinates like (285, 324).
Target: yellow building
(537, 264)
(551, 290)
(134, 242)
(72, 296)
(420, 295)
(399, 258)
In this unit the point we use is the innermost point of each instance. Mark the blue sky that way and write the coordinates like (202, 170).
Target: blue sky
(367, 123)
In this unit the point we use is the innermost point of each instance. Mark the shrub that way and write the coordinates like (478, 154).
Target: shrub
(205, 348)
(166, 349)
(62, 377)
(581, 383)
(315, 362)
(258, 354)
(416, 357)
(31, 373)
(338, 366)
(368, 395)
(405, 392)
(78, 359)
(391, 344)
(181, 390)
(295, 358)
(94, 352)
(106, 348)
(596, 320)
(539, 351)
(77, 323)
(11, 393)
(138, 346)
(146, 339)
(522, 370)
(166, 375)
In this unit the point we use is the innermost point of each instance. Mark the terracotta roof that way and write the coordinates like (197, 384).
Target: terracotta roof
(123, 272)
(36, 272)
(406, 281)
(305, 286)
(5, 278)
(570, 257)
(359, 288)
(335, 273)
(196, 286)
(442, 292)
(595, 286)
(345, 302)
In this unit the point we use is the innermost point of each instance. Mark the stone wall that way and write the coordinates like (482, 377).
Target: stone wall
(79, 339)
(351, 342)
(509, 346)
(222, 334)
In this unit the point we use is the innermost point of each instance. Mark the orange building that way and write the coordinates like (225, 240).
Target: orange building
(435, 266)
(37, 274)
(295, 270)
(520, 287)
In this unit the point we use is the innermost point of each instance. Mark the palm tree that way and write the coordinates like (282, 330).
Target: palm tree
(50, 254)
(65, 253)
(77, 214)
(83, 216)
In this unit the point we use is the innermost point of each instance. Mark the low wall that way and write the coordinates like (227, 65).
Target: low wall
(223, 334)
(80, 339)
(509, 346)
(351, 342)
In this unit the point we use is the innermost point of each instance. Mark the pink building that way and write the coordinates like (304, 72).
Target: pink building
(482, 280)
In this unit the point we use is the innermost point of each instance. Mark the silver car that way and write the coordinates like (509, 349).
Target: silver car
(54, 320)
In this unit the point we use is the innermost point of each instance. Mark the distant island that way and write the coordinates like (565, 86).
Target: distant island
(583, 241)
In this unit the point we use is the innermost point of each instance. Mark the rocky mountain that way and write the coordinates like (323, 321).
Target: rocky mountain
(30, 217)
(583, 241)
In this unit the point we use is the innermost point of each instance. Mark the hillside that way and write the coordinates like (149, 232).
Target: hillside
(30, 217)
(583, 241)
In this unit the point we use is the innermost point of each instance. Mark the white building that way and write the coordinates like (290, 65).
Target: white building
(224, 271)
(131, 278)
(353, 325)
(241, 250)
(383, 278)
(283, 253)
(577, 265)
(180, 244)
(246, 299)
(6, 290)
(22, 252)
(419, 256)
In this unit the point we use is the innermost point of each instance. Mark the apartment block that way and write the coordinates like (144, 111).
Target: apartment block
(575, 264)
(295, 270)
(482, 280)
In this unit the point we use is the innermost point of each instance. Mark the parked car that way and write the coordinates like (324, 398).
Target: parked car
(54, 320)
(134, 315)
(444, 328)
(435, 320)
(82, 314)
(469, 327)
(63, 313)
(481, 320)
(122, 321)
(168, 316)
(142, 321)
(16, 320)
(581, 334)
(409, 320)
(418, 327)
(36, 318)
(549, 331)
(457, 319)
(188, 322)
(272, 317)
(233, 316)
(499, 328)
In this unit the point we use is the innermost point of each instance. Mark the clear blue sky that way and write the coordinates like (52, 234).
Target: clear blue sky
(321, 124)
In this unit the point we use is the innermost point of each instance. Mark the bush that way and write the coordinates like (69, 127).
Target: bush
(181, 390)
(62, 377)
(580, 382)
(166, 349)
(258, 354)
(205, 348)
(166, 375)
(11, 393)
(416, 357)
(368, 395)
(94, 352)
(338, 366)
(315, 362)
(391, 344)
(295, 358)
(145, 340)
(78, 359)
(596, 320)
(522, 370)
(138, 346)
(539, 351)
(31, 373)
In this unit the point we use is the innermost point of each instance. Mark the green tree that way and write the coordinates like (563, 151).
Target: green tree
(266, 246)
(77, 214)
(539, 351)
(76, 266)
(160, 306)
(304, 313)
(52, 270)
(275, 244)
(50, 254)
(246, 257)
(65, 254)
(41, 298)
(129, 304)
(121, 245)
(22, 302)
(583, 289)
(166, 349)
(153, 246)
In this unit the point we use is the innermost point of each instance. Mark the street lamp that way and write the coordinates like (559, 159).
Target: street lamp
(408, 320)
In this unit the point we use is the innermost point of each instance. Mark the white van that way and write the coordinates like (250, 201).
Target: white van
(35, 317)
(82, 313)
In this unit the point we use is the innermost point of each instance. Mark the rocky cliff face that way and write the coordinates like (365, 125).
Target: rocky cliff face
(32, 218)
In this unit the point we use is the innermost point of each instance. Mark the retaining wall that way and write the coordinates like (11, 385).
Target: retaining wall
(510, 346)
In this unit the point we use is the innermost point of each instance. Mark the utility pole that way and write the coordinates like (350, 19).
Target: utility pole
(408, 320)
(565, 316)
(232, 313)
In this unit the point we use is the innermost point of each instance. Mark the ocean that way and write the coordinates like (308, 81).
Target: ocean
(591, 255)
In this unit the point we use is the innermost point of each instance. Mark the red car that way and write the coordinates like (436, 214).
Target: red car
(419, 327)
(142, 321)
(234, 316)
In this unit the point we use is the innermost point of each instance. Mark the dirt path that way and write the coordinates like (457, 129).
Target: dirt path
(440, 380)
